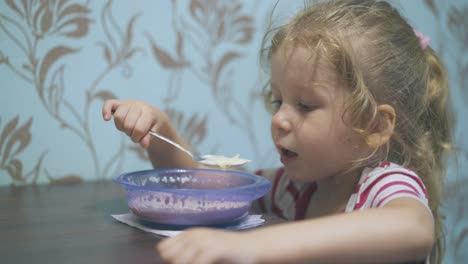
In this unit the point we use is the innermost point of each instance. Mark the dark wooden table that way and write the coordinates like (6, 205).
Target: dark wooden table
(71, 224)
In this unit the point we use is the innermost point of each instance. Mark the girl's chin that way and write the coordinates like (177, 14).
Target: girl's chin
(297, 176)
(303, 176)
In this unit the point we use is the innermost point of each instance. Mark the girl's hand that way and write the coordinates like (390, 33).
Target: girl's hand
(204, 246)
(134, 118)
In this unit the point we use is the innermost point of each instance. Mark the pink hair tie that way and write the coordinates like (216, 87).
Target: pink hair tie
(423, 39)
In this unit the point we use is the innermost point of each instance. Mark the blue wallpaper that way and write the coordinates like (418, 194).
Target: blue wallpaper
(197, 60)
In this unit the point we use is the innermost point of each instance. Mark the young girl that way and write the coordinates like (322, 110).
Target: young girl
(361, 123)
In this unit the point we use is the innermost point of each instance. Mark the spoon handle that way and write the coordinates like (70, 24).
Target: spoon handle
(171, 142)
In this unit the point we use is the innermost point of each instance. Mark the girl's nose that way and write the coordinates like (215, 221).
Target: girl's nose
(281, 120)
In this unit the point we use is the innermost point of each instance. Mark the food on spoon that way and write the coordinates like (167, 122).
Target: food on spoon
(222, 161)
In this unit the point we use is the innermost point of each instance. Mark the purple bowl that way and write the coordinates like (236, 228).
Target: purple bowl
(192, 196)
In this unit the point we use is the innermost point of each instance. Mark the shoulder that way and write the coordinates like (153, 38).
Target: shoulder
(385, 183)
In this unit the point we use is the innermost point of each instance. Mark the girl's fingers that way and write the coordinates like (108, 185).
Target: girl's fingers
(204, 257)
(170, 248)
(168, 243)
(142, 127)
(185, 255)
(145, 141)
(131, 120)
(119, 116)
(109, 107)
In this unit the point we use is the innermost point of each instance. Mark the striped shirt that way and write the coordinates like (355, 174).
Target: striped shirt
(376, 187)
(380, 185)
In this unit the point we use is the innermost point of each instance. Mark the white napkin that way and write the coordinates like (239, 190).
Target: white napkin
(247, 222)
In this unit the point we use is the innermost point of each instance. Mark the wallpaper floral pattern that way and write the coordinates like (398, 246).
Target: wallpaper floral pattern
(59, 59)
(214, 31)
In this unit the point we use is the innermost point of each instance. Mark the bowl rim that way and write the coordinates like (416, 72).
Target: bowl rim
(258, 181)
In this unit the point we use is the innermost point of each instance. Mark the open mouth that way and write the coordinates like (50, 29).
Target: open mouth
(287, 153)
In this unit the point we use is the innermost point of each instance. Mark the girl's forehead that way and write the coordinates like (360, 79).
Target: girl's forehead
(302, 65)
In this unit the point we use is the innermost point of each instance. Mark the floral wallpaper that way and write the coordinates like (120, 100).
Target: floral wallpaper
(195, 59)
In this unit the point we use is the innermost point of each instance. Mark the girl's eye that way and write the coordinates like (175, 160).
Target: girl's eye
(276, 104)
(305, 107)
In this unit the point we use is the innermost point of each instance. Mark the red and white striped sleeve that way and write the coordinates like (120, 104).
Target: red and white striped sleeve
(386, 183)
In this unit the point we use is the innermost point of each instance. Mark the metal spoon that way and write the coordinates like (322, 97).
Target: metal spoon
(205, 159)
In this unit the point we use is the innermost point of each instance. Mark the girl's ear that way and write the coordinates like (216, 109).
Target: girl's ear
(383, 129)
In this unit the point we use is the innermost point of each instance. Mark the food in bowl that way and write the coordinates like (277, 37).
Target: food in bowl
(192, 196)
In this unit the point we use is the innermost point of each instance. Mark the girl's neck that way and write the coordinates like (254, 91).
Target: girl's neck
(332, 194)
